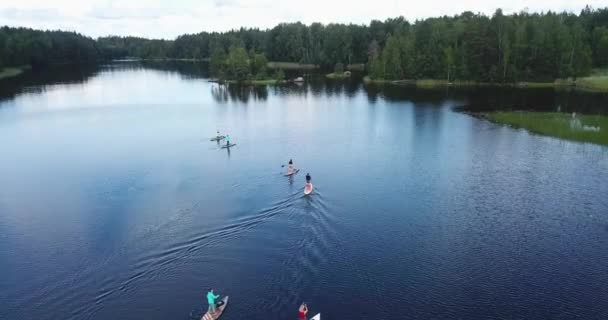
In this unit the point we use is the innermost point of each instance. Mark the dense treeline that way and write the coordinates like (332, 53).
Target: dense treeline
(22, 46)
(121, 47)
(498, 48)
(237, 64)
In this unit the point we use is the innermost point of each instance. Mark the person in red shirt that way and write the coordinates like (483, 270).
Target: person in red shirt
(302, 311)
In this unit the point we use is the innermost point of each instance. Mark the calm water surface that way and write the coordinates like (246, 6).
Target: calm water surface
(114, 204)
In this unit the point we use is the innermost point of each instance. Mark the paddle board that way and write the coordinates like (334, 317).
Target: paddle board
(228, 146)
(316, 317)
(218, 311)
(292, 173)
(308, 189)
(218, 138)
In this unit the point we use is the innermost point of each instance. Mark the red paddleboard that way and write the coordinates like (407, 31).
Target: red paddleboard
(308, 189)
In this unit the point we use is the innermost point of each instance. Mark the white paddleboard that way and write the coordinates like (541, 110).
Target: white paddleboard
(308, 191)
(316, 317)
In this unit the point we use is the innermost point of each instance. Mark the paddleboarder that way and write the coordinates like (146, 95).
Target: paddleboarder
(302, 311)
(211, 299)
(308, 185)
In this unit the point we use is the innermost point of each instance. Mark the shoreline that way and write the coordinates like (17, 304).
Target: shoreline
(591, 84)
(262, 82)
(581, 128)
(291, 65)
(11, 72)
(271, 64)
(337, 76)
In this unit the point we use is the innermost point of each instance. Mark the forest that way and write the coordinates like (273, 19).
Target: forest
(498, 48)
(22, 46)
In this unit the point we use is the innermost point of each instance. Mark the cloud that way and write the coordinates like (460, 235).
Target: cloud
(129, 13)
(45, 13)
(225, 3)
(170, 18)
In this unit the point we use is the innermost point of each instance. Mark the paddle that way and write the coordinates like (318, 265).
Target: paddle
(289, 175)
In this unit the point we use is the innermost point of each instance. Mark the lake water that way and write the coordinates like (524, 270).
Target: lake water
(114, 204)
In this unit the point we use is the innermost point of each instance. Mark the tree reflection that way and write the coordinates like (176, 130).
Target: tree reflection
(36, 81)
(224, 93)
(186, 69)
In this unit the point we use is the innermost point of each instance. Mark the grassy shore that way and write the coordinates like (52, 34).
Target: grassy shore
(597, 81)
(337, 75)
(291, 66)
(12, 71)
(262, 82)
(583, 128)
(591, 83)
(426, 83)
(356, 67)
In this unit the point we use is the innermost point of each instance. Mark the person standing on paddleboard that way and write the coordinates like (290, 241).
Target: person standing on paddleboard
(302, 311)
(228, 140)
(290, 167)
(211, 299)
(307, 179)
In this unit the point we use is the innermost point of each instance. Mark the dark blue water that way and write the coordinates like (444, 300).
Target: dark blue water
(114, 204)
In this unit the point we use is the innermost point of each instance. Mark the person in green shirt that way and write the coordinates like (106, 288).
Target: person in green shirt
(211, 299)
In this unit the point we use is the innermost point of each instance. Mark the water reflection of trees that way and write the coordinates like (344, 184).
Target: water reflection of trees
(35, 81)
(223, 93)
(318, 86)
(534, 99)
(314, 86)
(186, 69)
(394, 93)
(348, 87)
(495, 98)
(474, 99)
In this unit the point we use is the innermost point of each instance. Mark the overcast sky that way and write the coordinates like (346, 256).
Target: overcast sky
(169, 18)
